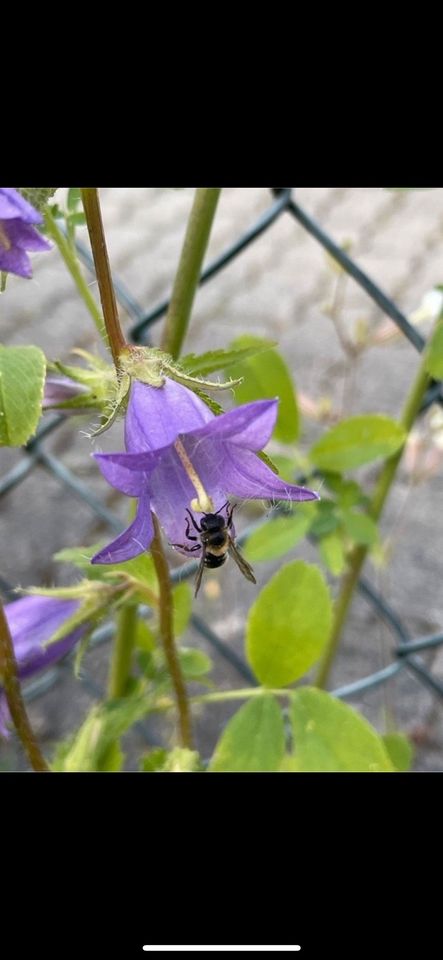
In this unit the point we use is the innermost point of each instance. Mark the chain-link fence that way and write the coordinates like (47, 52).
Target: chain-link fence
(406, 649)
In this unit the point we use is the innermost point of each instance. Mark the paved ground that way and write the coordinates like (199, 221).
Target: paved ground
(278, 287)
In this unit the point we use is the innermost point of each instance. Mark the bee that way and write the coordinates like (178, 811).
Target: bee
(215, 543)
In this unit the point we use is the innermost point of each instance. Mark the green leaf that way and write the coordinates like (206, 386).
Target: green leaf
(105, 724)
(348, 493)
(200, 365)
(434, 353)
(112, 759)
(360, 528)
(289, 764)
(400, 750)
(182, 760)
(276, 537)
(74, 197)
(22, 379)
(179, 760)
(253, 739)
(267, 376)
(332, 737)
(182, 600)
(332, 552)
(357, 441)
(153, 761)
(194, 663)
(289, 624)
(77, 219)
(286, 466)
(324, 519)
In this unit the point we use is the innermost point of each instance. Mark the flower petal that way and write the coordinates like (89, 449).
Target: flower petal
(241, 473)
(33, 620)
(156, 415)
(24, 236)
(131, 482)
(12, 204)
(43, 657)
(15, 261)
(133, 541)
(249, 426)
(172, 492)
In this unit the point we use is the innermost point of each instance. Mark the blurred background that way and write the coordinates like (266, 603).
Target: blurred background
(345, 356)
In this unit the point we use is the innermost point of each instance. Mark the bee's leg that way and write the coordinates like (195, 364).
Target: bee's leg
(194, 524)
(187, 533)
(183, 546)
(229, 516)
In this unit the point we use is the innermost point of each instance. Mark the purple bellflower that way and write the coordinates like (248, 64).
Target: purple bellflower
(17, 233)
(32, 621)
(177, 448)
(59, 389)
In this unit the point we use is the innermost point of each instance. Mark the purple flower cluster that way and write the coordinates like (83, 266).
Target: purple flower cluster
(32, 621)
(17, 233)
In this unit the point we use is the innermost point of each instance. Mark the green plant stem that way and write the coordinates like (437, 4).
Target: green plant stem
(70, 257)
(189, 268)
(359, 553)
(11, 685)
(124, 642)
(167, 636)
(91, 206)
(222, 696)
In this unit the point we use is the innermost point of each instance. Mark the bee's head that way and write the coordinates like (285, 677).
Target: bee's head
(212, 521)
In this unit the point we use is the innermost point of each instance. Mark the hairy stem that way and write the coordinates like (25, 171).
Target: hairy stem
(167, 636)
(189, 268)
(11, 685)
(359, 553)
(69, 255)
(91, 206)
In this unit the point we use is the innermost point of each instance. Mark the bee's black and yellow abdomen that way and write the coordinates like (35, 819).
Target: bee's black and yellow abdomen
(213, 561)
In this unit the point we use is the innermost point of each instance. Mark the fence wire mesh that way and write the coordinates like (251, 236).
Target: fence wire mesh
(406, 649)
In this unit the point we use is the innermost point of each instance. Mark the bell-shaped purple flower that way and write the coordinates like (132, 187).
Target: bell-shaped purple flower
(17, 233)
(32, 621)
(175, 445)
(59, 389)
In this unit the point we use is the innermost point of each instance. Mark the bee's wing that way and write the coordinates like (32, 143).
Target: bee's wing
(201, 567)
(242, 564)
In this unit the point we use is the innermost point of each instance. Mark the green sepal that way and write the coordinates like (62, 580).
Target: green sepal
(37, 196)
(144, 364)
(221, 359)
(151, 365)
(107, 391)
(215, 407)
(95, 599)
(136, 574)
